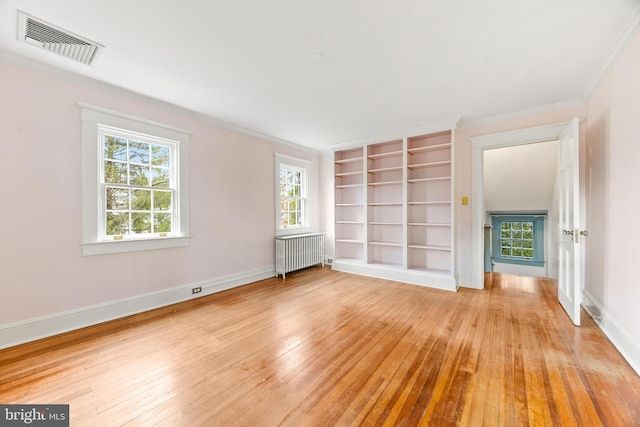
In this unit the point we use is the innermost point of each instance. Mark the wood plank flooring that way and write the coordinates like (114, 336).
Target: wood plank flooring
(323, 348)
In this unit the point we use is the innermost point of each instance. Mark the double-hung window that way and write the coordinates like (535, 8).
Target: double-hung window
(138, 185)
(518, 239)
(135, 183)
(292, 195)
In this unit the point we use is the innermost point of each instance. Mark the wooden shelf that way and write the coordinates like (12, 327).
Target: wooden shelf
(435, 147)
(349, 241)
(431, 247)
(384, 223)
(388, 169)
(437, 178)
(429, 164)
(440, 202)
(373, 184)
(383, 155)
(428, 224)
(393, 244)
(347, 161)
(343, 174)
(349, 186)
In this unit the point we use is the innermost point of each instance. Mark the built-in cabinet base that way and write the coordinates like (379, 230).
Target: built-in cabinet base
(385, 271)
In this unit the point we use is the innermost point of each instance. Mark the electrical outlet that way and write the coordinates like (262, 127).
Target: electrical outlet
(196, 290)
(329, 260)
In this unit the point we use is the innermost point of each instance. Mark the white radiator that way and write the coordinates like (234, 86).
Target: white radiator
(299, 251)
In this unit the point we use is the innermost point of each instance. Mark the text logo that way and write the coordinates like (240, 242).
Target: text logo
(34, 415)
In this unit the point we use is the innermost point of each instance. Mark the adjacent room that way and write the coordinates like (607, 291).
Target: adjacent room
(334, 213)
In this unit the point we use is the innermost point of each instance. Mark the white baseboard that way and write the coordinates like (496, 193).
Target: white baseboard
(621, 339)
(464, 281)
(46, 326)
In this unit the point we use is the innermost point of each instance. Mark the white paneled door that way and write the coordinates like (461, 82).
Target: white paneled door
(570, 234)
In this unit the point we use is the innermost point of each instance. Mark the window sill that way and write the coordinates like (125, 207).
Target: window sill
(290, 231)
(103, 248)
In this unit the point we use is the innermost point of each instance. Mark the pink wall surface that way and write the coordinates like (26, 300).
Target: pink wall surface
(42, 270)
(613, 150)
(463, 169)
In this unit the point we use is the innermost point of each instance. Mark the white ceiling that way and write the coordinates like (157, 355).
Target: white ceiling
(389, 65)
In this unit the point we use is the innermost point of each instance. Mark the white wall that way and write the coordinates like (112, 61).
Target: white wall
(42, 270)
(612, 283)
(520, 178)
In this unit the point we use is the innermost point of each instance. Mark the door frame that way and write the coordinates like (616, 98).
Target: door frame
(479, 144)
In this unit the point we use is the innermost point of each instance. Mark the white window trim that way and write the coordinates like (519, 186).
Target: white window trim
(92, 117)
(305, 165)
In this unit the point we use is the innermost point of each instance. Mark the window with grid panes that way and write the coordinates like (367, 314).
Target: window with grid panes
(138, 183)
(292, 201)
(292, 198)
(135, 183)
(518, 239)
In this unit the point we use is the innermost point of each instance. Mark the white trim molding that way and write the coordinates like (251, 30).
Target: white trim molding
(46, 326)
(478, 145)
(397, 134)
(612, 328)
(93, 118)
(501, 118)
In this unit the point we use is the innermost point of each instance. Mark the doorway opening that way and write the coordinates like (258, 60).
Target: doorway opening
(481, 145)
(520, 209)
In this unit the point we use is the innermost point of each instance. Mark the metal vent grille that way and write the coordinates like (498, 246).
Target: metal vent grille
(39, 33)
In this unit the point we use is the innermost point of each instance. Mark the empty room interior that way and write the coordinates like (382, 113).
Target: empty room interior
(319, 213)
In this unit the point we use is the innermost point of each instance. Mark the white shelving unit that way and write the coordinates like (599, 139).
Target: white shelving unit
(394, 210)
(385, 174)
(349, 204)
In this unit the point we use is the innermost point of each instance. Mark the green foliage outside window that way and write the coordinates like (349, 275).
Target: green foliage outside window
(291, 197)
(516, 239)
(138, 194)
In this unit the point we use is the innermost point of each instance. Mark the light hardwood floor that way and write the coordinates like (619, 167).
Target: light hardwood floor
(323, 348)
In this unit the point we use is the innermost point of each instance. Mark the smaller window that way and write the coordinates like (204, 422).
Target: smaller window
(518, 239)
(292, 195)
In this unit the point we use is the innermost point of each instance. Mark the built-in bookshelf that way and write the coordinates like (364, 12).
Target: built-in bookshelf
(394, 210)
(385, 180)
(349, 205)
(429, 203)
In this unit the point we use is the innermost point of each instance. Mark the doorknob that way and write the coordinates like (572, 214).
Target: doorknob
(567, 232)
(584, 233)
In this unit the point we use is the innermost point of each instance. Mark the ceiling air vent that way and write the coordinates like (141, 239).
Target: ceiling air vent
(42, 34)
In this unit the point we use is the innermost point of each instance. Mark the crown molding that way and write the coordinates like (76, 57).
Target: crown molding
(398, 134)
(620, 45)
(565, 105)
(19, 60)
